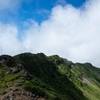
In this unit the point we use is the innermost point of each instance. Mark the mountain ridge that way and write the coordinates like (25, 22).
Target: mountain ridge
(49, 77)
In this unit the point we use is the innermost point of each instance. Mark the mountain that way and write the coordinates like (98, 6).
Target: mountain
(30, 76)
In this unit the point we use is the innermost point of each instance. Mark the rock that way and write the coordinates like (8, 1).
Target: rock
(2, 61)
(9, 72)
(12, 99)
(21, 80)
(20, 67)
(32, 95)
(6, 98)
(16, 89)
(15, 70)
(22, 71)
(13, 95)
(36, 98)
(27, 75)
(3, 92)
(24, 94)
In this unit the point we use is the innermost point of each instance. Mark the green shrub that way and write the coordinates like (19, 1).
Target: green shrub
(34, 89)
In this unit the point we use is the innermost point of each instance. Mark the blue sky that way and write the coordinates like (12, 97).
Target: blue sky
(37, 10)
(69, 28)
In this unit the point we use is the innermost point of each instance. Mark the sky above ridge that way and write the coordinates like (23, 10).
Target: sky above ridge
(38, 10)
(69, 28)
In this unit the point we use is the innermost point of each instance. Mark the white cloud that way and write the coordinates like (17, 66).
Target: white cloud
(70, 32)
(8, 39)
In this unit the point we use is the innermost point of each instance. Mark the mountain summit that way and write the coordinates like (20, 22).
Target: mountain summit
(30, 76)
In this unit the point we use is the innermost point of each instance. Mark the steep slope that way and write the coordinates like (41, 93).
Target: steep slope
(50, 78)
(85, 77)
(90, 77)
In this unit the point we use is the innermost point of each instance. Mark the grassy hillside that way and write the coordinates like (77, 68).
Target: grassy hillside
(52, 78)
(85, 77)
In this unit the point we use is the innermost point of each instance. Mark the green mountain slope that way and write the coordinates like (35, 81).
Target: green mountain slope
(52, 78)
(85, 77)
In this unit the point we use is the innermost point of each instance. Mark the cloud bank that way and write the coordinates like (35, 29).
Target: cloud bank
(73, 33)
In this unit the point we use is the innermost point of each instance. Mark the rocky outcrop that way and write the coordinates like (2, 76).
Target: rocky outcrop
(6, 60)
(19, 68)
(15, 69)
(27, 75)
